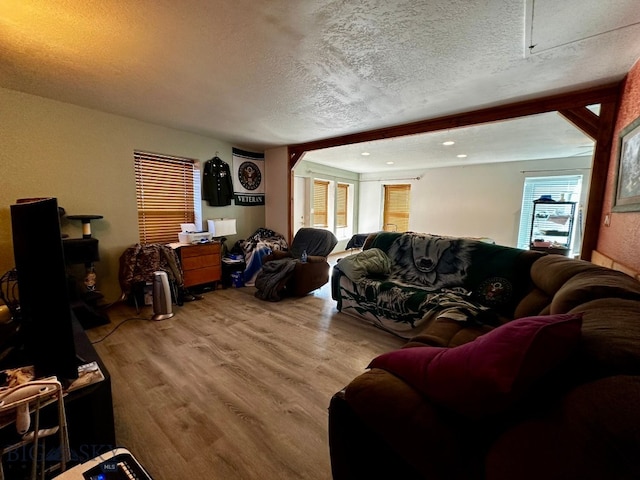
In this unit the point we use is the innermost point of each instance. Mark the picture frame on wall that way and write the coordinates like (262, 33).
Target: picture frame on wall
(627, 185)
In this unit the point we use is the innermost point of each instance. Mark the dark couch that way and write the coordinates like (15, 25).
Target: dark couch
(579, 421)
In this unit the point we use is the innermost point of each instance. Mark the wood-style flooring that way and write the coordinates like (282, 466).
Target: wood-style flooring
(233, 387)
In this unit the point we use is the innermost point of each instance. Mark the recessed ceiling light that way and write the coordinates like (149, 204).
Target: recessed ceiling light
(365, 154)
(448, 142)
(389, 163)
(462, 155)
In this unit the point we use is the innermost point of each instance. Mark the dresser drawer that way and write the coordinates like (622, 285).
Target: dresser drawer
(201, 275)
(202, 261)
(198, 250)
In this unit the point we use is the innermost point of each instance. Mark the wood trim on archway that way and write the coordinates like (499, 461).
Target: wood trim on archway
(571, 105)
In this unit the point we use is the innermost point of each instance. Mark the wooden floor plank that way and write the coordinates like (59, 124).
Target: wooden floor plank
(233, 387)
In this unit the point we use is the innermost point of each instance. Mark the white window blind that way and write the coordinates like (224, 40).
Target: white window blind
(396, 208)
(320, 203)
(561, 187)
(166, 189)
(342, 202)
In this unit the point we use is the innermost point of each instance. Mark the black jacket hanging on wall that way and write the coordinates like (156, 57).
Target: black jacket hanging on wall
(217, 185)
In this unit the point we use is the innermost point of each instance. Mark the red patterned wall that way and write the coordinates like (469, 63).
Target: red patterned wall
(621, 240)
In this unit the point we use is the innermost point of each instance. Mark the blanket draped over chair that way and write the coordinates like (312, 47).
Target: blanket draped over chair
(254, 248)
(274, 274)
(138, 263)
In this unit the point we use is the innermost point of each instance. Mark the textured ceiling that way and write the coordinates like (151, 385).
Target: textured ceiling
(263, 73)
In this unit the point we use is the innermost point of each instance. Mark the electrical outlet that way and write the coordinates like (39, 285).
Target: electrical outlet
(607, 220)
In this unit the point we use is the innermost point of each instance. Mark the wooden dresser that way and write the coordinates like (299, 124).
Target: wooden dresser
(200, 263)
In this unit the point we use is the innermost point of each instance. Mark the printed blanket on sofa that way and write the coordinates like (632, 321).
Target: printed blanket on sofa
(433, 276)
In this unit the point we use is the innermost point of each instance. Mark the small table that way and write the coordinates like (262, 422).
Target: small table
(230, 266)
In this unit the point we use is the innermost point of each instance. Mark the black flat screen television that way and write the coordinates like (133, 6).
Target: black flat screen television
(46, 316)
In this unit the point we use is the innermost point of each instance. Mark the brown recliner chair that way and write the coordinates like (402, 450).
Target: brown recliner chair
(312, 274)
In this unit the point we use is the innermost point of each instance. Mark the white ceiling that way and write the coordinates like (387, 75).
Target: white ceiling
(535, 137)
(264, 73)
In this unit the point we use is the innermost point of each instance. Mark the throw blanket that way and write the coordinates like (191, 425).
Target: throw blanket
(457, 305)
(261, 243)
(138, 263)
(273, 277)
(389, 303)
(315, 241)
(497, 276)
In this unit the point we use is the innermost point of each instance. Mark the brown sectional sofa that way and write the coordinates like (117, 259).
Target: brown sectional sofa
(581, 421)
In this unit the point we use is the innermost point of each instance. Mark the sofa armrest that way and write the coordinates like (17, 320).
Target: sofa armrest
(336, 273)
(276, 255)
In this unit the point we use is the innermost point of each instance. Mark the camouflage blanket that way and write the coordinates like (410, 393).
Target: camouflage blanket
(137, 264)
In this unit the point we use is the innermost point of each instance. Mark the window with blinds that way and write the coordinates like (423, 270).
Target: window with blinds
(561, 187)
(342, 202)
(320, 203)
(166, 190)
(396, 208)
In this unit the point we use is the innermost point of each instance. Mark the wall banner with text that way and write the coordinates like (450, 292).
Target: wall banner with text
(248, 178)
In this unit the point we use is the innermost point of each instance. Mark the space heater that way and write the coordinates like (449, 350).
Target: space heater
(161, 297)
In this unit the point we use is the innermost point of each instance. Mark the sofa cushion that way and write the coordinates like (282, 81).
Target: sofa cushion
(487, 375)
(590, 433)
(597, 283)
(610, 343)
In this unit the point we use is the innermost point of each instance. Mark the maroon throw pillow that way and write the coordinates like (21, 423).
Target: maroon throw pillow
(487, 375)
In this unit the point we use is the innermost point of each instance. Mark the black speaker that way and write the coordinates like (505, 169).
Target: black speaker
(42, 288)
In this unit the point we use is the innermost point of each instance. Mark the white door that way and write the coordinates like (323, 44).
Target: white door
(300, 203)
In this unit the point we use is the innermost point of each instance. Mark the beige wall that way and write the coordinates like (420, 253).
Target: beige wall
(85, 158)
(475, 200)
(278, 175)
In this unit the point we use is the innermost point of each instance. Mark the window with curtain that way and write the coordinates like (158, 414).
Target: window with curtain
(396, 208)
(342, 203)
(166, 189)
(320, 203)
(561, 187)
